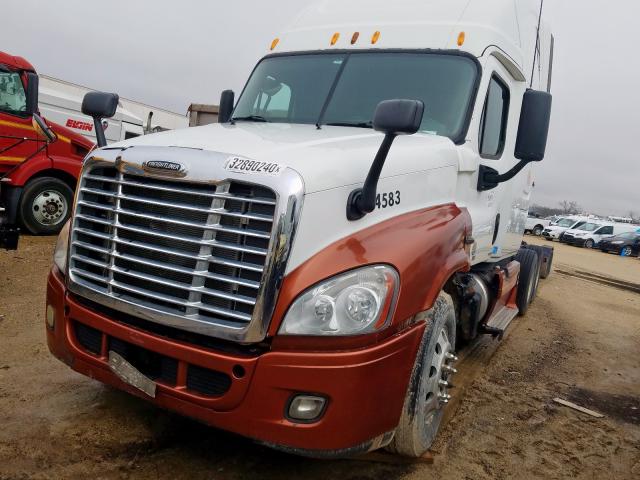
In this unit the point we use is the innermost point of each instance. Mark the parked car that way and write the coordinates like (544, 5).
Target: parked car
(553, 232)
(535, 225)
(591, 234)
(627, 243)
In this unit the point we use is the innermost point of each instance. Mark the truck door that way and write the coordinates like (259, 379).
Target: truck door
(492, 137)
(18, 139)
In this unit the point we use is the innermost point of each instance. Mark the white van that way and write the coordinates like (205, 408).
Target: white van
(590, 234)
(553, 231)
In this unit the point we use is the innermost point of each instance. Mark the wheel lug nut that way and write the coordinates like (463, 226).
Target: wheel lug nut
(450, 369)
(451, 356)
(444, 383)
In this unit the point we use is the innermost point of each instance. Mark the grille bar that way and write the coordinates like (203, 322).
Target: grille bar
(157, 218)
(221, 196)
(255, 251)
(194, 250)
(130, 198)
(170, 267)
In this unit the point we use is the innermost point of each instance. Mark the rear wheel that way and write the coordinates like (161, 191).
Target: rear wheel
(428, 392)
(626, 251)
(529, 278)
(537, 230)
(45, 205)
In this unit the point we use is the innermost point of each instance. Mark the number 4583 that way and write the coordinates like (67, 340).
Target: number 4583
(388, 199)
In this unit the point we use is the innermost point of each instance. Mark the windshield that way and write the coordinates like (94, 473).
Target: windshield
(12, 96)
(565, 222)
(589, 227)
(345, 88)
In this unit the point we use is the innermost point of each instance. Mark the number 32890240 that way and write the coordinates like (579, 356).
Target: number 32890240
(388, 199)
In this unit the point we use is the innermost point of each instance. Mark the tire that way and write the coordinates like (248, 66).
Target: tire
(537, 230)
(545, 267)
(626, 251)
(426, 398)
(45, 205)
(529, 278)
(589, 243)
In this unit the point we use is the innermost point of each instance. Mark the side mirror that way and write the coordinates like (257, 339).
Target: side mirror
(99, 105)
(531, 141)
(398, 117)
(227, 99)
(393, 118)
(533, 128)
(42, 129)
(32, 93)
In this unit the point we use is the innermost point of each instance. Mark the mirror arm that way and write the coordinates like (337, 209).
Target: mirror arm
(101, 138)
(363, 200)
(489, 178)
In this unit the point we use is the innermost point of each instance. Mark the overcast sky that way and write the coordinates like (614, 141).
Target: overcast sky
(173, 53)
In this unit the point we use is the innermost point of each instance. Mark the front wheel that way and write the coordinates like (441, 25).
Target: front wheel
(589, 243)
(537, 230)
(626, 251)
(428, 392)
(45, 205)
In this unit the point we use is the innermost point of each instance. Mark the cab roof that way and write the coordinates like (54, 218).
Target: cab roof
(15, 62)
(509, 25)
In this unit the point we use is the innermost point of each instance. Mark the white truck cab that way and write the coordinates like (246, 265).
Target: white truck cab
(313, 260)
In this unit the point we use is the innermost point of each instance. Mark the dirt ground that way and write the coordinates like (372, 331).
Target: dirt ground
(579, 341)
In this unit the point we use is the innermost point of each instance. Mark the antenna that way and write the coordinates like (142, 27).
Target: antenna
(536, 50)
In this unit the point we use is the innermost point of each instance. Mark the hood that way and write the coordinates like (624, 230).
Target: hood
(65, 132)
(326, 158)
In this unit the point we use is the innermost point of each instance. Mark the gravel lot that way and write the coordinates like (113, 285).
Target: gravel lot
(579, 341)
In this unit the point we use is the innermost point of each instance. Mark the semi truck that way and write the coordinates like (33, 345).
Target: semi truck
(304, 272)
(60, 101)
(37, 172)
(37, 177)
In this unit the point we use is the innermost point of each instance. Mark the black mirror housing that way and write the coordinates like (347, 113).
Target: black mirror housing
(100, 104)
(398, 117)
(32, 93)
(227, 99)
(533, 128)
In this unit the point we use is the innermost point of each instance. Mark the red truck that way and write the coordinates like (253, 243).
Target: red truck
(39, 160)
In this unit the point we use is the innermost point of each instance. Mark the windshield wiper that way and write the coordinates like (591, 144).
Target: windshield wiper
(250, 118)
(351, 124)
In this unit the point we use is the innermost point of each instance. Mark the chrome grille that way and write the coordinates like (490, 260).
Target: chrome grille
(193, 250)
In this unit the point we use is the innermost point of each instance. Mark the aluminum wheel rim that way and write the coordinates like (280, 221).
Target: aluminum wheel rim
(440, 371)
(49, 207)
(626, 251)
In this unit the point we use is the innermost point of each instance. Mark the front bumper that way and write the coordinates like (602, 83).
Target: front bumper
(551, 235)
(365, 387)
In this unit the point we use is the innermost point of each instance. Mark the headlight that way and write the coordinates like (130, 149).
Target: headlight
(62, 247)
(355, 302)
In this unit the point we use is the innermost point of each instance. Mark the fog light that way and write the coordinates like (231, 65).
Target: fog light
(51, 317)
(306, 408)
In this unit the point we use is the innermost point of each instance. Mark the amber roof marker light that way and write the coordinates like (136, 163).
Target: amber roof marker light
(354, 37)
(461, 38)
(275, 42)
(335, 38)
(375, 37)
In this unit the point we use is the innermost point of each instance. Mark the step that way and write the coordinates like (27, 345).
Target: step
(501, 320)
